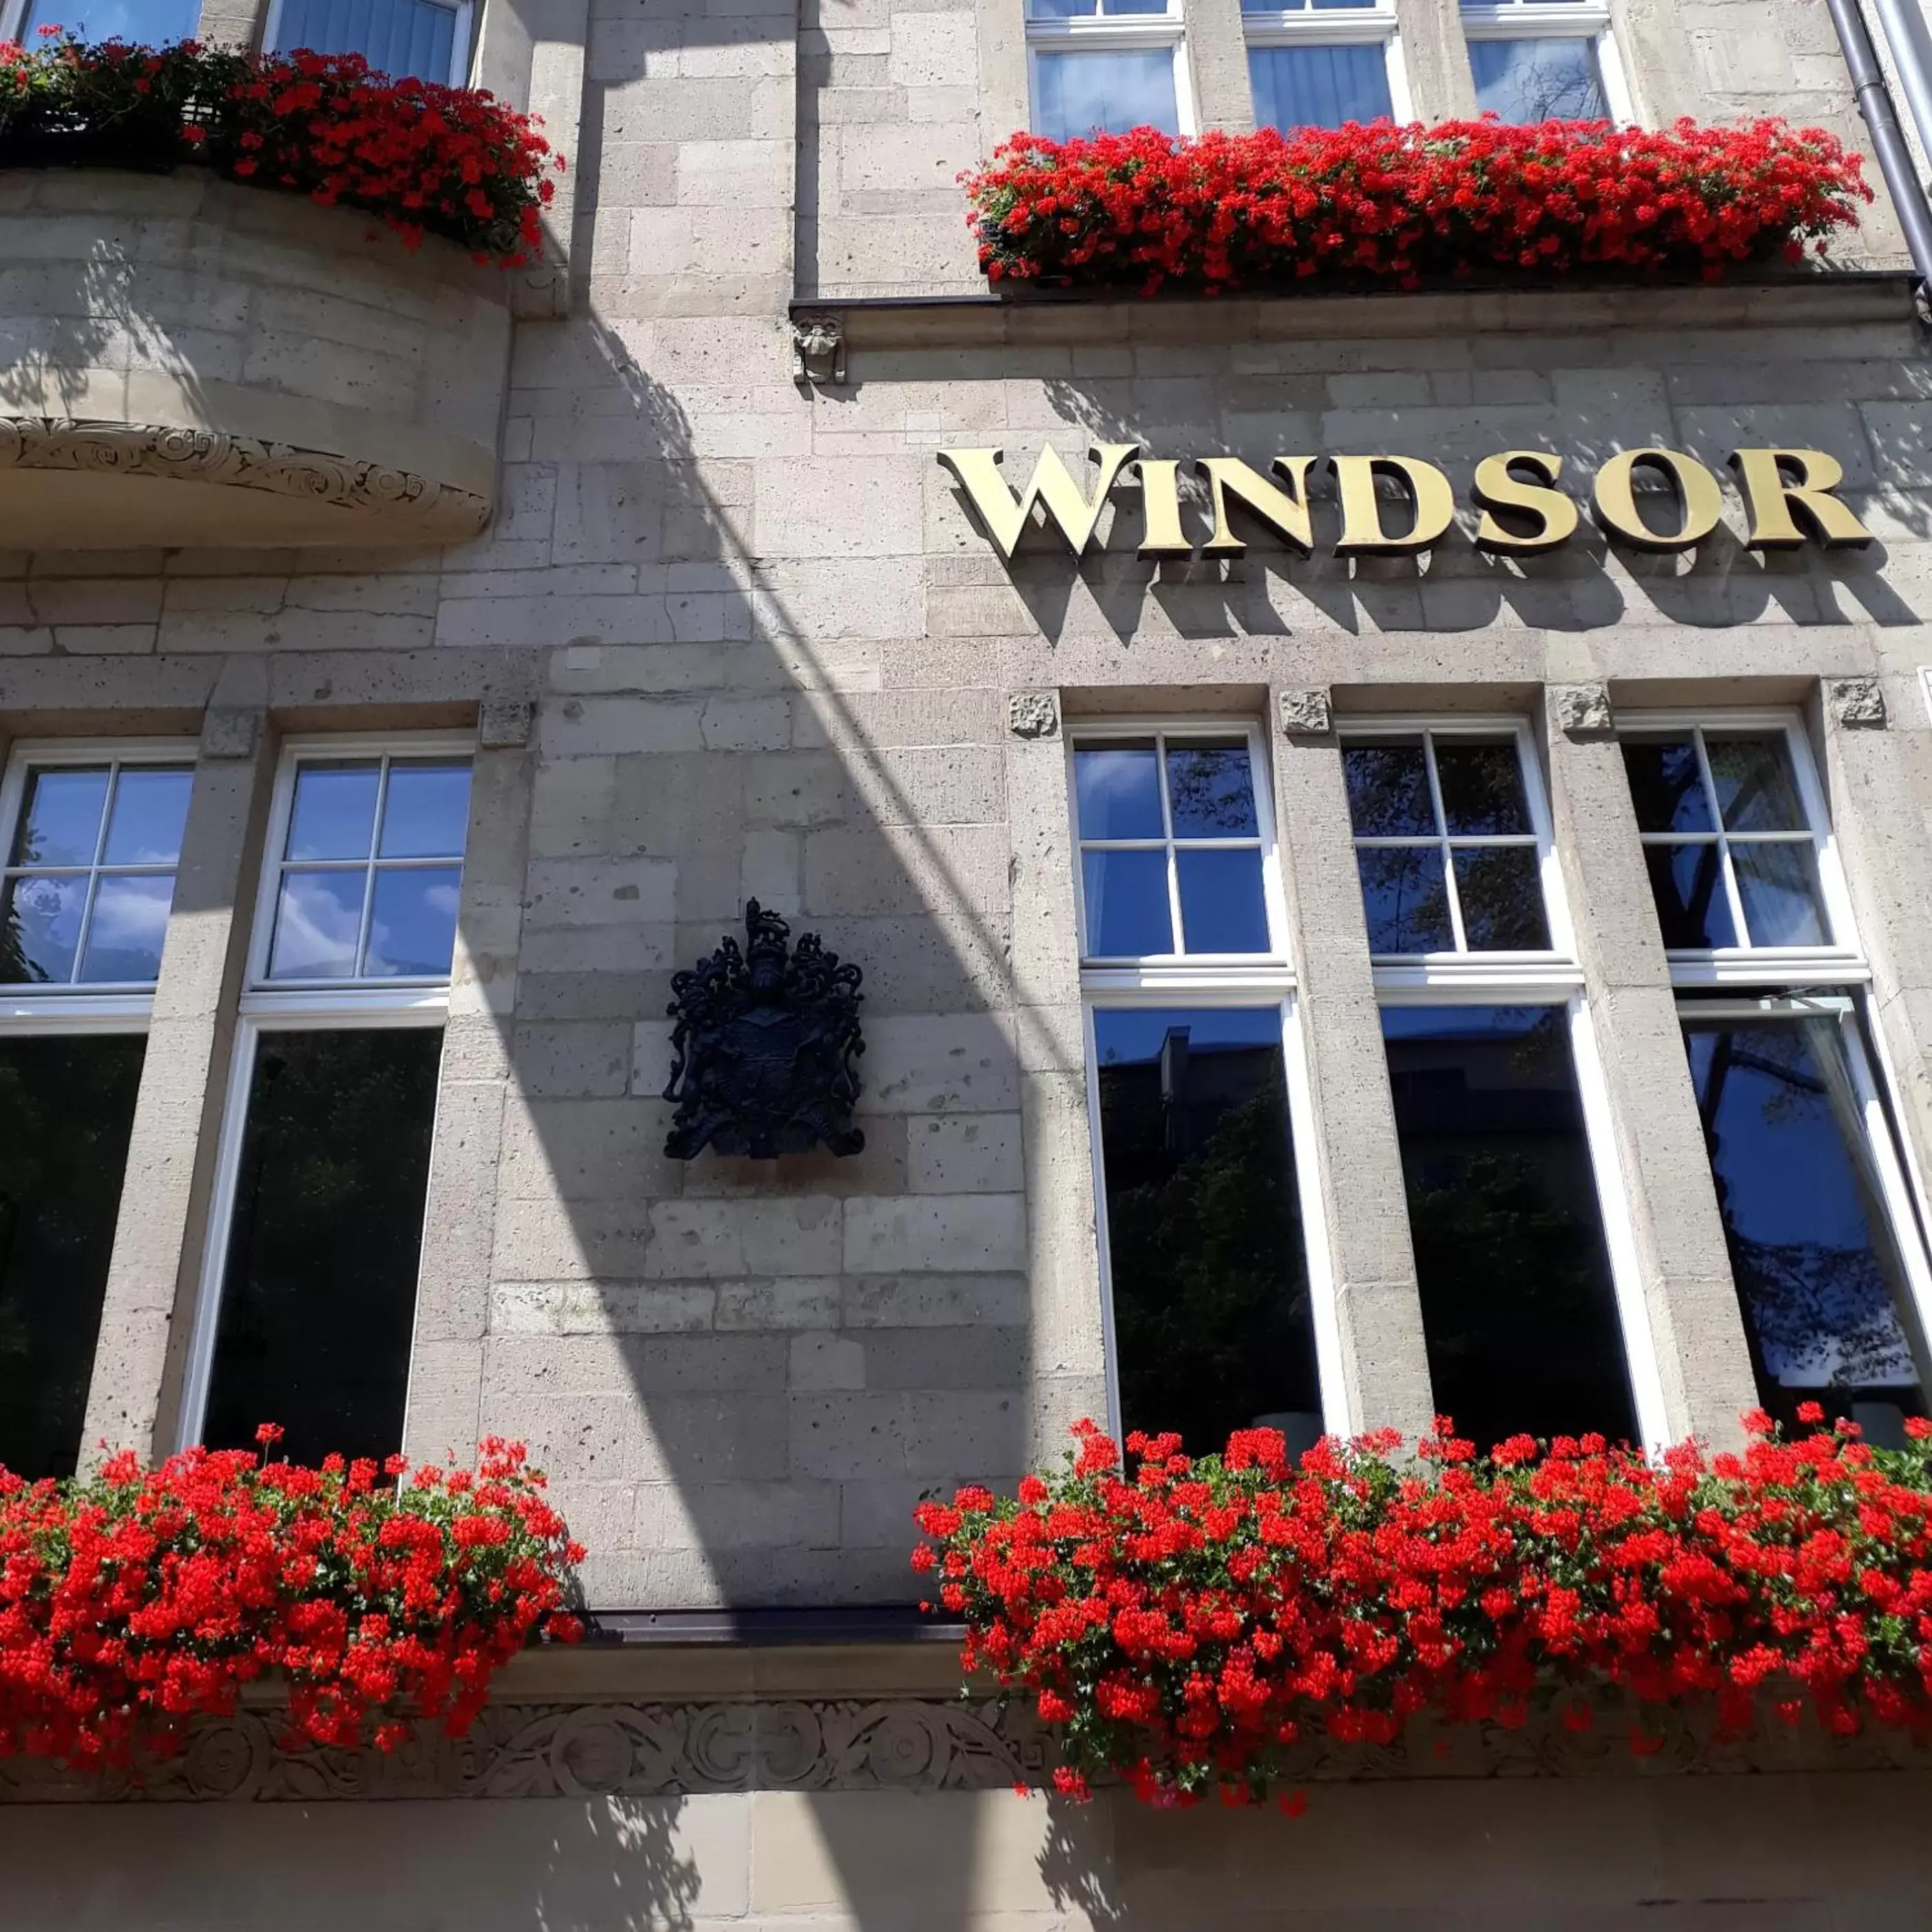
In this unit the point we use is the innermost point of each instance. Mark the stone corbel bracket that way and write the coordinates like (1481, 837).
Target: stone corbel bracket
(818, 350)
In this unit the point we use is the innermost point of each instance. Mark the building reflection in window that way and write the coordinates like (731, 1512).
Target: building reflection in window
(1828, 1308)
(1212, 1325)
(1518, 1303)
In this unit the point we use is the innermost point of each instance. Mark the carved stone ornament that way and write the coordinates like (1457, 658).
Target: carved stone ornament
(230, 730)
(1033, 714)
(1855, 701)
(1306, 713)
(818, 350)
(212, 456)
(764, 1047)
(505, 724)
(1582, 710)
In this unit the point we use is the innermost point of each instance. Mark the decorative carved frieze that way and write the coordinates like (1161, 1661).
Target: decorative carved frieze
(592, 1749)
(442, 512)
(654, 1750)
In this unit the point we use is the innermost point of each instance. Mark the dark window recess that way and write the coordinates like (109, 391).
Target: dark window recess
(67, 1109)
(1213, 1331)
(318, 1297)
(1828, 1310)
(1517, 1301)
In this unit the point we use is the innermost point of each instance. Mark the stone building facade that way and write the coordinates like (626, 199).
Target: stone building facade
(593, 604)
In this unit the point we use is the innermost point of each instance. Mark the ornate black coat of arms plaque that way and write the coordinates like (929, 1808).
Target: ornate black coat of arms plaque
(764, 1047)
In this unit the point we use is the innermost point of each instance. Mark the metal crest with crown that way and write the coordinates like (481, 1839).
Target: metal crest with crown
(765, 1047)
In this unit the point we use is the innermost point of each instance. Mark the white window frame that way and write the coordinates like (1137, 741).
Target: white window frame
(1783, 980)
(266, 1010)
(1553, 969)
(1900, 1188)
(1362, 27)
(1174, 973)
(105, 1007)
(1101, 33)
(1554, 980)
(1842, 962)
(1254, 983)
(461, 45)
(1560, 20)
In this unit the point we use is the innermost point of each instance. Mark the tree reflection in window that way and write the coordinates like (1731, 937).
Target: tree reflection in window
(1828, 1308)
(1446, 848)
(1213, 1328)
(1518, 1306)
(67, 1111)
(318, 1298)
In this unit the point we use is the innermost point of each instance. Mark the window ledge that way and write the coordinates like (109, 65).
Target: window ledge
(1036, 318)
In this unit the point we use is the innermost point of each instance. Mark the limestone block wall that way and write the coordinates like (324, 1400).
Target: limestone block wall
(1803, 1854)
(765, 652)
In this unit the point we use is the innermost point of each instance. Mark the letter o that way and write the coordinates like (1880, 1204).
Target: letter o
(1700, 499)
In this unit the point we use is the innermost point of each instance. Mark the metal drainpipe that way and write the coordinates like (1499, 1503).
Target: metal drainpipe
(1901, 24)
(1888, 138)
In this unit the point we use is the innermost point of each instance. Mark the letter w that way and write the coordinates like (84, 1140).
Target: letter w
(1005, 516)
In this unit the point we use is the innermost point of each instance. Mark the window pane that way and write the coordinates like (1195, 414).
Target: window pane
(150, 810)
(67, 1108)
(412, 922)
(318, 1292)
(1118, 787)
(1211, 1319)
(1687, 881)
(1403, 896)
(1221, 909)
(1482, 787)
(1110, 93)
(317, 925)
(129, 923)
(1827, 1307)
(1756, 791)
(1210, 791)
(1318, 87)
(1778, 883)
(426, 812)
(1500, 887)
(61, 825)
(1517, 1304)
(1666, 787)
(39, 927)
(140, 23)
(1523, 82)
(334, 811)
(1388, 790)
(395, 36)
(1127, 903)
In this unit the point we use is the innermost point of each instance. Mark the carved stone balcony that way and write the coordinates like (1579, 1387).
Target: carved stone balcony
(184, 362)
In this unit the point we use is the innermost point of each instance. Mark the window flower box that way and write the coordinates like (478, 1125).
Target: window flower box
(1404, 207)
(426, 159)
(1188, 1626)
(136, 1600)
